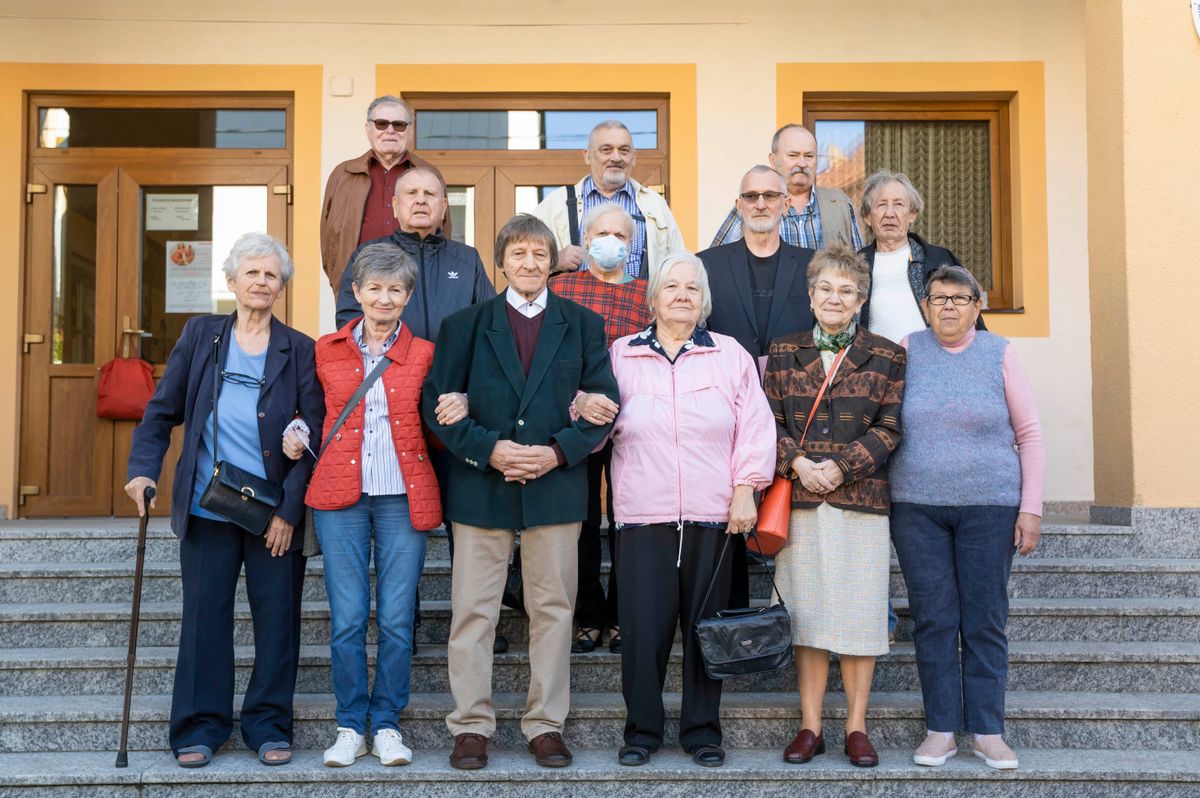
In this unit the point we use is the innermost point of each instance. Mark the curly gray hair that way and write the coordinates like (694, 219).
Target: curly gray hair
(258, 245)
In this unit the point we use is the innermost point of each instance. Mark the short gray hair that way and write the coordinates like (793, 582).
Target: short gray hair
(259, 245)
(881, 179)
(841, 258)
(417, 170)
(955, 275)
(384, 260)
(593, 217)
(790, 126)
(608, 124)
(387, 99)
(658, 276)
(763, 168)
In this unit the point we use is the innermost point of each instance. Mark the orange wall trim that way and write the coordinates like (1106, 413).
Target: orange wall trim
(1028, 113)
(305, 82)
(676, 80)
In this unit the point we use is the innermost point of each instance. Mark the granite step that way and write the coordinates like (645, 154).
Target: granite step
(1032, 578)
(1166, 722)
(107, 624)
(115, 540)
(1036, 666)
(748, 773)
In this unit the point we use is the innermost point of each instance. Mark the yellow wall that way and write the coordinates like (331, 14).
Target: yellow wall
(15, 79)
(1143, 114)
(733, 52)
(1030, 264)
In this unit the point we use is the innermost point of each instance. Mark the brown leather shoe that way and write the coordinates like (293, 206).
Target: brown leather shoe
(804, 747)
(470, 752)
(862, 754)
(550, 751)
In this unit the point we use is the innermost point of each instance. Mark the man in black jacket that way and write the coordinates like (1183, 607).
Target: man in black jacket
(450, 275)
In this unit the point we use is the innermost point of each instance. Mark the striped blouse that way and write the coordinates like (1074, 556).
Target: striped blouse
(381, 474)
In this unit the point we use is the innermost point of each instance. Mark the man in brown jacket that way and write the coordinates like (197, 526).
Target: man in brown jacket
(358, 196)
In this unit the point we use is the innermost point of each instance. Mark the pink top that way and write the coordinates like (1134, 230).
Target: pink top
(1031, 446)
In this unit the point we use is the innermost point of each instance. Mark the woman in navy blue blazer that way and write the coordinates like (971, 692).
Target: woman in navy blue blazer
(268, 376)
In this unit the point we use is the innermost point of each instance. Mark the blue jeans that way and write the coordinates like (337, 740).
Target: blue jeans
(345, 537)
(956, 563)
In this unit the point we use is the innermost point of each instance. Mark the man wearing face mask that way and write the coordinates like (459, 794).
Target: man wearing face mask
(610, 156)
(815, 215)
(620, 299)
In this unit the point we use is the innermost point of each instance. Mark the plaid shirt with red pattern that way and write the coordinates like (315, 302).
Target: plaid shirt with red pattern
(623, 305)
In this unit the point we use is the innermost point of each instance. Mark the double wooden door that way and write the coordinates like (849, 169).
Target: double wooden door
(122, 248)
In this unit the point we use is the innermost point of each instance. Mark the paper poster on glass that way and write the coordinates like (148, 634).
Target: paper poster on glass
(172, 211)
(189, 277)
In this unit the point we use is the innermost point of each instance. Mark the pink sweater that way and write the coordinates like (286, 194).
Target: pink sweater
(1031, 446)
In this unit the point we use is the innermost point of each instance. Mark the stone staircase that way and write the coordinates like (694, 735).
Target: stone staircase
(1104, 686)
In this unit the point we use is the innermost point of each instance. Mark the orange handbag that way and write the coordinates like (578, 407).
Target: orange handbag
(125, 387)
(774, 513)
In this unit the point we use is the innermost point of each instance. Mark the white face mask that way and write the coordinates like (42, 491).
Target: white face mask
(608, 252)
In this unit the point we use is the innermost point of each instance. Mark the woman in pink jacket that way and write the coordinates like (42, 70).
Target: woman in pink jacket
(694, 439)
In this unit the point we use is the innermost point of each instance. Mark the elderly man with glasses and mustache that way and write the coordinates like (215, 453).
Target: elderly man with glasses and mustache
(610, 155)
(358, 196)
(816, 215)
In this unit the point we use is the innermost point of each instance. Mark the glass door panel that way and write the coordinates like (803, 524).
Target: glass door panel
(73, 283)
(471, 191)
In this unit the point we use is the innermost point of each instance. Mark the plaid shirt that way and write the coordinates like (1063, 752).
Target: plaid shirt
(800, 229)
(622, 305)
(626, 198)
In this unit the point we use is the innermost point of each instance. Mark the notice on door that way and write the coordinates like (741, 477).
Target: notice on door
(172, 211)
(189, 277)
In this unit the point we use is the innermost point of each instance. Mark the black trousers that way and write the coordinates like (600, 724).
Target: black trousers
(593, 610)
(656, 597)
(211, 557)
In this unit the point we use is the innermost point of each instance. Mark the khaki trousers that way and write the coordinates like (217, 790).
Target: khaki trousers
(549, 568)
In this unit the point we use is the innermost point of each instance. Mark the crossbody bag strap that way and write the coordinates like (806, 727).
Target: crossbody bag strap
(355, 398)
(573, 215)
(837, 362)
(216, 396)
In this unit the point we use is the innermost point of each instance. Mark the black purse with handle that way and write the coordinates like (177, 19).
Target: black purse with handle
(742, 641)
(235, 494)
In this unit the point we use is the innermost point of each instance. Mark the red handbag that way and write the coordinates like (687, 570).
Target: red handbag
(774, 513)
(125, 387)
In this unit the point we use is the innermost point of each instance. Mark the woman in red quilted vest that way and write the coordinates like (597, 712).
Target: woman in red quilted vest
(373, 492)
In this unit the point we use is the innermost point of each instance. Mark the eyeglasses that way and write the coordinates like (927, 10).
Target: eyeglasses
(398, 125)
(958, 299)
(245, 380)
(752, 197)
(846, 293)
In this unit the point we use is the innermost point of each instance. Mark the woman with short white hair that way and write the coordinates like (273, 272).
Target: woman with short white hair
(263, 372)
(694, 439)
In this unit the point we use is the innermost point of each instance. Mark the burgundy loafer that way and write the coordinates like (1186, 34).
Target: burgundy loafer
(804, 747)
(862, 754)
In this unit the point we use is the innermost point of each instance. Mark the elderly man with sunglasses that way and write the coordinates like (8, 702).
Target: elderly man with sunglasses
(358, 196)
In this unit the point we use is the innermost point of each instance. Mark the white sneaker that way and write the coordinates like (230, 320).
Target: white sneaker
(390, 748)
(935, 750)
(350, 745)
(992, 750)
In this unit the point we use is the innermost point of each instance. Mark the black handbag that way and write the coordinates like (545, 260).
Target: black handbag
(742, 641)
(236, 495)
(514, 585)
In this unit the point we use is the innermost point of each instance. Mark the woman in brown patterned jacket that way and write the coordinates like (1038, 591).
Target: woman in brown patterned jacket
(833, 572)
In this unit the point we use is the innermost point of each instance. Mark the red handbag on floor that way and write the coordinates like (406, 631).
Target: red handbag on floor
(775, 510)
(125, 387)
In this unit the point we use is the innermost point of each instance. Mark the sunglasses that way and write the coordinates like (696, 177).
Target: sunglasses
(398, 125)
(752, 197)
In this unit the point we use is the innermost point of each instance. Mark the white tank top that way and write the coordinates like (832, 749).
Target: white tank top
(894, 310)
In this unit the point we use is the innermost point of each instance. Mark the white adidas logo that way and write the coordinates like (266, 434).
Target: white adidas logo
(452, 275)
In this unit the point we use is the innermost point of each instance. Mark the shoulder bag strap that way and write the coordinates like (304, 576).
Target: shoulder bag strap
(573, 215)
(216, 395)
(356, 397)
(837, 362)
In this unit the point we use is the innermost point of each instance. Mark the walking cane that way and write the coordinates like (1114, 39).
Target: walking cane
(122, 755)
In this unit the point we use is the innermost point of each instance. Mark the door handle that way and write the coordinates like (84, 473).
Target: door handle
(32, 338)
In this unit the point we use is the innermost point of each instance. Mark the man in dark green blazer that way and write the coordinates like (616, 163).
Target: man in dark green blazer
(519, 462)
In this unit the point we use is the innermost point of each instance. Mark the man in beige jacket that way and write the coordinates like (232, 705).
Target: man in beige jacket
(358, 196)
(610, 156)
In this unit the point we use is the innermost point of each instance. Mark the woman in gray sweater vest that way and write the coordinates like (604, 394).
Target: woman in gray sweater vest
(966, 493)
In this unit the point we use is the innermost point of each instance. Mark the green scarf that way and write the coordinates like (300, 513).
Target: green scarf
(834, 343)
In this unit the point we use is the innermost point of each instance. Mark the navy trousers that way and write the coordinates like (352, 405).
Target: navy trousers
(211, 557)
(956, 563)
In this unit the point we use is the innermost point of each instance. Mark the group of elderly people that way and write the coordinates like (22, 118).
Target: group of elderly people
(898, 419)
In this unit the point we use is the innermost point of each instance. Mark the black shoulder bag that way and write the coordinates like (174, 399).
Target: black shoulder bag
(742, 641)
(312, 546)
(236, 495)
